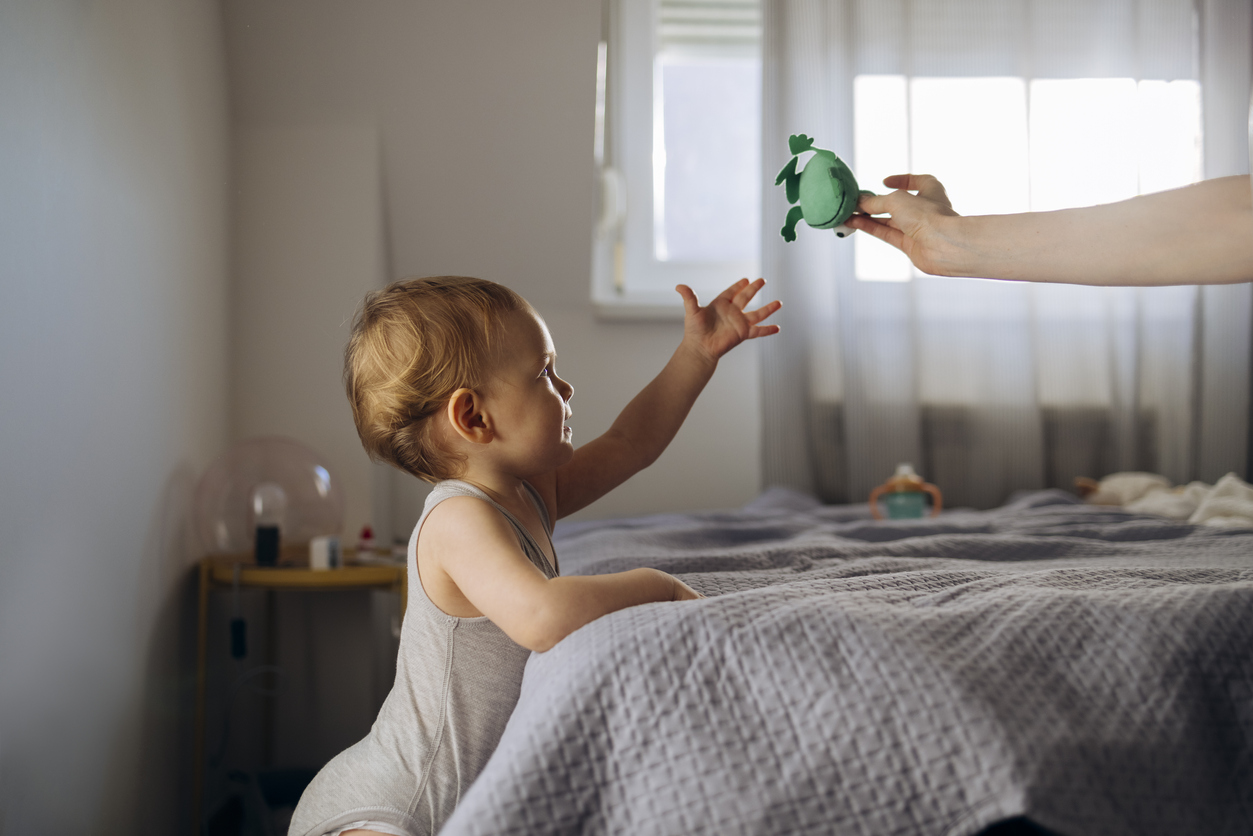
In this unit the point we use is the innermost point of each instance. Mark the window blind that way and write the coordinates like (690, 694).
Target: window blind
(1149, 39)
(684, 24)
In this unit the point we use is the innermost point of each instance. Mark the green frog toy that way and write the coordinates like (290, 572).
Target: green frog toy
(826, 189)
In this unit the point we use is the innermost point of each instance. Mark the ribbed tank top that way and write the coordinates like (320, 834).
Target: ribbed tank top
(457, 681)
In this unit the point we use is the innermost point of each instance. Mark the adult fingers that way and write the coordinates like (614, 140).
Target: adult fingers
(926, 185)
(761, 331)
(873, 204)
(878, 229)
(910, 182)
(884, 204)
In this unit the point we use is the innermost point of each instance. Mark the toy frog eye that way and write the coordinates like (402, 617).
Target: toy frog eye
(825, 188)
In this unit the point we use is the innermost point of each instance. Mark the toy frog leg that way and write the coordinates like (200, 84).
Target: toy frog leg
(791, 181)
(794, 216)
(799, 143)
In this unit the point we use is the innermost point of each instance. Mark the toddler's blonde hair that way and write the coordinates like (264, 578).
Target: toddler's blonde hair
(413, 344)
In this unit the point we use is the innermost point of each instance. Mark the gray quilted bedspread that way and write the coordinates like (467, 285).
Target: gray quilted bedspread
(1089, 668)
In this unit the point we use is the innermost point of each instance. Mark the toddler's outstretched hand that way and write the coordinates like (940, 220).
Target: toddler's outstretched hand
(723, 324)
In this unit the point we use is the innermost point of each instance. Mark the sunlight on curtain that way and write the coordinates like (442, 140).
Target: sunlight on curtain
(988, 387)
(1024, 146)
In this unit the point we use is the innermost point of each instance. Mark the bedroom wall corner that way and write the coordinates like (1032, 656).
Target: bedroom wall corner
(308, 246)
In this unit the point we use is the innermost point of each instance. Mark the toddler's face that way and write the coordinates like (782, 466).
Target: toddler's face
(529, 402)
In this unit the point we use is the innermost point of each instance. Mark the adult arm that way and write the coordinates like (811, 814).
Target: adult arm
(649, 422)
(1198, 234)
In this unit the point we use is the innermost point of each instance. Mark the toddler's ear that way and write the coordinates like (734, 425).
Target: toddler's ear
(465, 414)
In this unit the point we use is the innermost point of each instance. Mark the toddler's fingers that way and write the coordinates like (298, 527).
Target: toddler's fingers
(746, 293)
(689, 299)
(761, 313)
(731, 292)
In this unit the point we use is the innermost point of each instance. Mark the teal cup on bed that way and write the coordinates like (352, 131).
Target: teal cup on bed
(905, 496)
(906, 505)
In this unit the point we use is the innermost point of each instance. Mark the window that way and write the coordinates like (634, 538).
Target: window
(678, 145)
(678, 138)
(1011, 145)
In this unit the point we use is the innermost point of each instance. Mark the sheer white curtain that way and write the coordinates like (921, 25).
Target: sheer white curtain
(989, 387)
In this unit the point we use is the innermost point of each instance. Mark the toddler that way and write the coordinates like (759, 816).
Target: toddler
(454, 380)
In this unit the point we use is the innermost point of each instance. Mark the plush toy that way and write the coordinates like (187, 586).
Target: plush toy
(826, 189)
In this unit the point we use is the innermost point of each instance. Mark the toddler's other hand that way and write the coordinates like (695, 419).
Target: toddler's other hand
(723, 324)
(683, 592)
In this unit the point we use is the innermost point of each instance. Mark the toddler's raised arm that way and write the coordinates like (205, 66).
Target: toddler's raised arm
(649, 422)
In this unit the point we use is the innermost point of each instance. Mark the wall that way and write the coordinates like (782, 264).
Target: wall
(483, 118)
(113, 170)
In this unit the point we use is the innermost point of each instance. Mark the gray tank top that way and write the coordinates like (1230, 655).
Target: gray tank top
(457, 680)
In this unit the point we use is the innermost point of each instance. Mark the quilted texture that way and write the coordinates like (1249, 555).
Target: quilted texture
(1087, 667)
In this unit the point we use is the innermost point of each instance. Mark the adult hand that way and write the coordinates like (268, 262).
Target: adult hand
(1197, 234)
(918, 224)
(723, 324)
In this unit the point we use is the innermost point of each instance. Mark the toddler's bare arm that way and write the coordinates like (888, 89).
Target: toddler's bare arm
(470, 564)
(649, 422)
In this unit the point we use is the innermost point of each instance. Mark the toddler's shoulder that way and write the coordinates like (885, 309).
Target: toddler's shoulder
(459, 515)
(461, 525)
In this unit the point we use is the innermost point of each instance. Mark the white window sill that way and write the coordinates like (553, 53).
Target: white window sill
(639, 307)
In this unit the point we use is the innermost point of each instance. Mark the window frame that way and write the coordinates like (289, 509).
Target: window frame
(627, 135)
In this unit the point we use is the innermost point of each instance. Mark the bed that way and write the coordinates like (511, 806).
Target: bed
(1077, 668)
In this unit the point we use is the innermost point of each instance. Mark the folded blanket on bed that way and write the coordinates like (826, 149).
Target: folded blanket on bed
(1088, 667)
(1225, 504)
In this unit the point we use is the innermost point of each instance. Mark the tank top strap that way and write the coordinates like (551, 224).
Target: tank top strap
(530, 547)
(538, 501)
(548, 528)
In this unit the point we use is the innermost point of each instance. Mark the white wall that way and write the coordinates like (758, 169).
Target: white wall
(483, 112)
(308, 246)
(113, 171)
